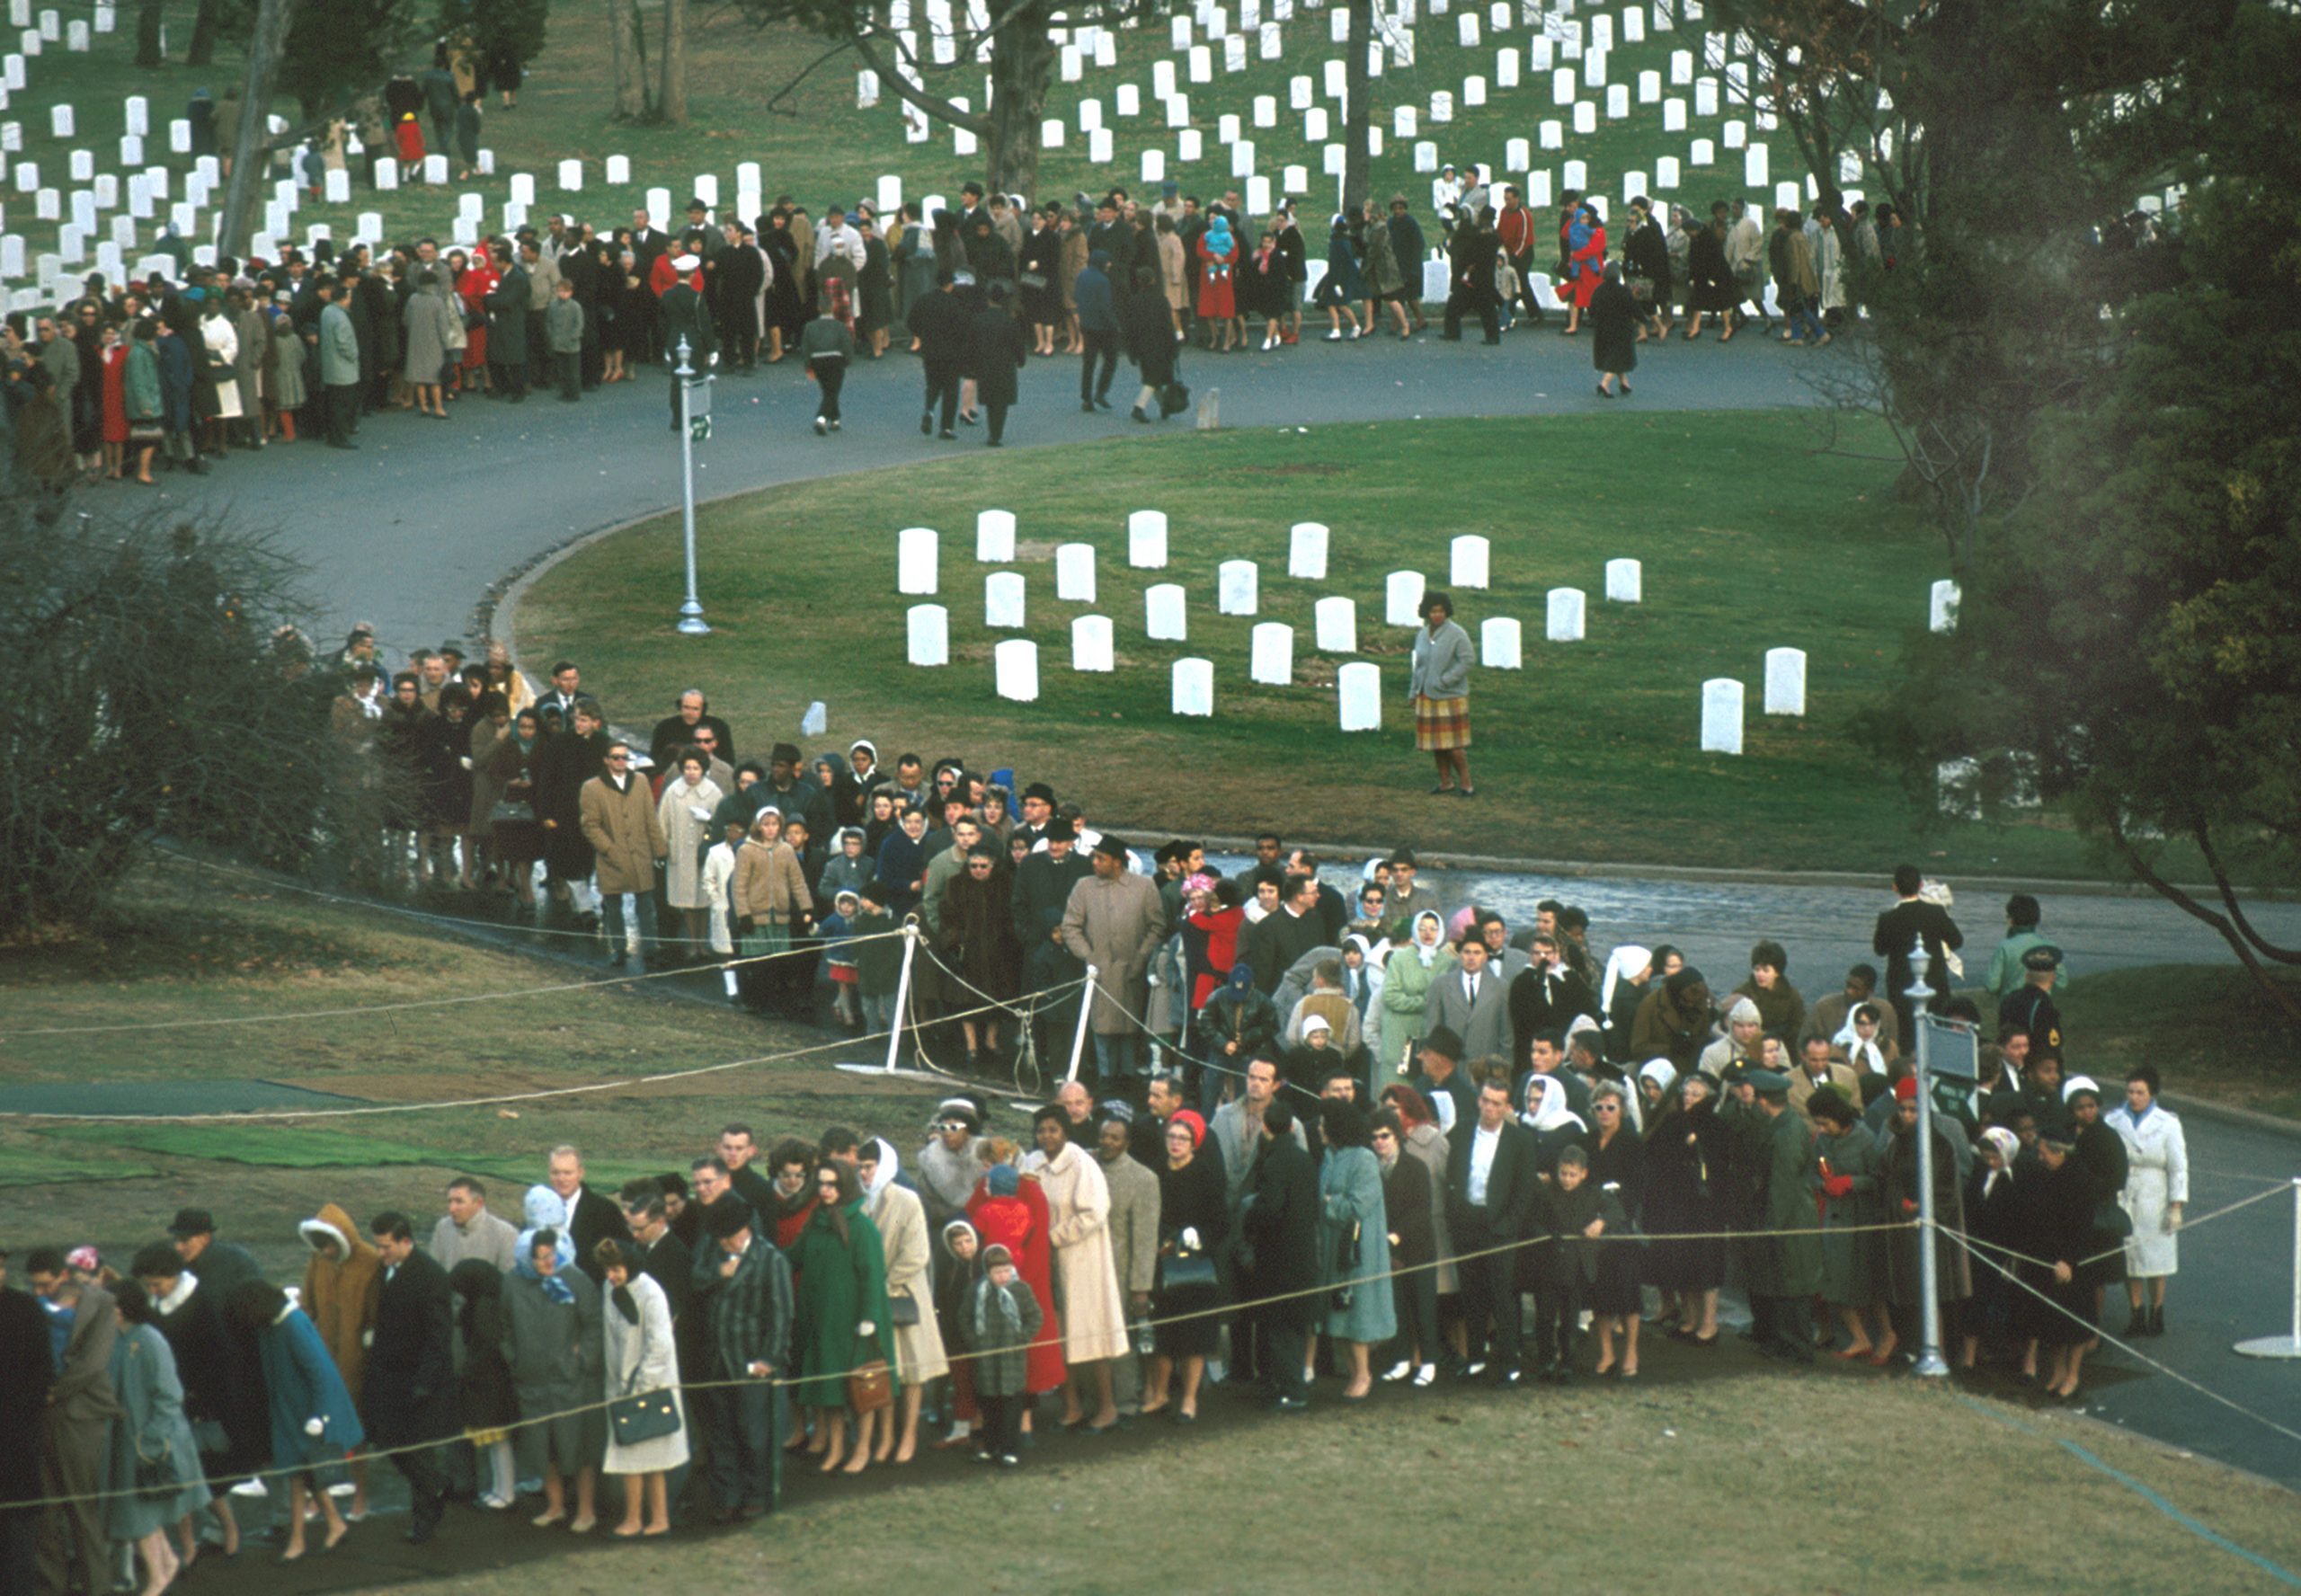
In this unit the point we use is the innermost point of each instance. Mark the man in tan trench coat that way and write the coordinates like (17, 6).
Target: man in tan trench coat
(619, 822)
(1116, 922)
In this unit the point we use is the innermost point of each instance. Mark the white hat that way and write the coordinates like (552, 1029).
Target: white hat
(684, 262)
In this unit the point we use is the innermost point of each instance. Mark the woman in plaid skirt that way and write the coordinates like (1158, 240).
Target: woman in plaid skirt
(1440, 688)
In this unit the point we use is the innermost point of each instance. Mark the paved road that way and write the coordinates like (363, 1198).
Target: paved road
(409, 532)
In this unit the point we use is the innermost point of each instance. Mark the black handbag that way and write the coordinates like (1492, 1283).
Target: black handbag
(2112, 1219)
(902, 1311)
(1185, 1271)
(1345, 1264)
(643, 1415)
(1174, 399)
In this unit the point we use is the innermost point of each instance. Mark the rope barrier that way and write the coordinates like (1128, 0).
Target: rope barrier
(538, 1095)
(336, 1013)
(2202, 1390)
(773, 1382)
(2106, 1252)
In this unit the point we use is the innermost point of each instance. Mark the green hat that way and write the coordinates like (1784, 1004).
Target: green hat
(1769, 1083)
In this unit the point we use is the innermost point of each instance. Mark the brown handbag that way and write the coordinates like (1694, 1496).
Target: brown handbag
(870, 1386)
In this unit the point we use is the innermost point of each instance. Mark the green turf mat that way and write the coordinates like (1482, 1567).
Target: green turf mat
(32, 1166)
(278, 1147)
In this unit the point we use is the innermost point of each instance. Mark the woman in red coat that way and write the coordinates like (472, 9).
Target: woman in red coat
(475, 279)
(1588, 236)
(114, 356)
(1011, 1212)
(1218, 289)
(1218, 916)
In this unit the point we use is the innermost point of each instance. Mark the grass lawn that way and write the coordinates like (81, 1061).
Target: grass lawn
(817, 143)
(2206, 1027)
(1613, 1488)
(1590, 752)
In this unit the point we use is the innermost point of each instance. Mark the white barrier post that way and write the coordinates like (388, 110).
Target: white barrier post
(2288, 1345)
(903, 991)
(1079, 1037)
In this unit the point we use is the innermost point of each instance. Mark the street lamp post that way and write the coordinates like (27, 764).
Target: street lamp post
(691, 612)
(1930, 1361)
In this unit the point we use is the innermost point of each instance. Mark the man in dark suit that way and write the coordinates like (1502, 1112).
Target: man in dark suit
(1898, 929)
(74, 1428)
(1489, 1189)
(1278, 1218)
(1273, 945)
(685, 314)
(592, 1219)
(1041, 895)
(1546, 996)
(409, 1398)
(677, 730)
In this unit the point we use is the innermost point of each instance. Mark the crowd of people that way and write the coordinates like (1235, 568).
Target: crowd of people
(1334, 1125)
(178, 368)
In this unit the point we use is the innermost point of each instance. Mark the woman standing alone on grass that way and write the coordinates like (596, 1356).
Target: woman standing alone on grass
(1439, 689)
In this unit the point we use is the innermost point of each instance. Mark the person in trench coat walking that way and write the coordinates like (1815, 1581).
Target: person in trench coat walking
(618, 817)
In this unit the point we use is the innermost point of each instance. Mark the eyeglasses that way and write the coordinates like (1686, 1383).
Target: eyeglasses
(618, 759)
(1607, 1108)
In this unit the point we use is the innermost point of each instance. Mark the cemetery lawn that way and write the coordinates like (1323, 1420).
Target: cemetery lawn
(814, 143)
(1749, 540)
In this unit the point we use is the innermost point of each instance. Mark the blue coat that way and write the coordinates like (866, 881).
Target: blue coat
(1092, 289)
(303, 1386)
(175, 383)
(1350, 1192)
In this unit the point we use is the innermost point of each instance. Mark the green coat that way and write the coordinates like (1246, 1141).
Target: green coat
(1854, 1261)
(840, 1285)
(1406, 989)
(1788, 1265)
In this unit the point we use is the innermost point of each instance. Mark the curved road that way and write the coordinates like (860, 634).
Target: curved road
(411, 531)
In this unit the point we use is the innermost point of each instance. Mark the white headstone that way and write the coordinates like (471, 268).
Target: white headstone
(1051, 133)
(1236, 587)
(1702, 152)
(1015, 667)
(1586, 117)
(1316, 126)
(487, 168)
(1566, 607)
(917, 553)
(386, 176)
(1757, 166)
(1178, 111)
(1242, 157)
(1518, 155)
(1300, 92)
(1202, 63)
(1271, 45)
(1338, 625)
(139, 114)
(1736, 136)
(1665, 172)
(1649, 88)
(570, 175)
(1402, 599)
(1100, 147)
(1472, 555)
(1785, 682)
(1092, 645)
(1128, 100)
(1442, 107)
(435, 170)
(1721, 716)
(1426, 156)
(1146, 540)
(337, 186)
(1942, 614)
(1002, 598)
(1272, 658)
(59, 121)
(1358, 686)
(994, 537)
(1501, 643)
(1306, 551)
(1576, 175)
(1551, 134)
(619, 171)
(1194, 688)
(1074, 573)
(816, 721)
(84, 166)
(931, 634)
(523, 187)
(1162, 613)
(1624, 581)
(1705, 97)
(659, 207)
(1565, 88)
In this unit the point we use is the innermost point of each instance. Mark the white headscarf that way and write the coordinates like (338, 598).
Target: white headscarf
(1621, 964)
(2078, 1083)
(884, 1176)
(2008, 1147)
(1551, 1112)
(1662, 1073)
(1429, 953)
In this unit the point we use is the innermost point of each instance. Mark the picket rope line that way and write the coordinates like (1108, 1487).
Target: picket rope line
(370, 1008)
(657, 1078)
(2106, 1252)
(2202, 1390)
(783, 1382)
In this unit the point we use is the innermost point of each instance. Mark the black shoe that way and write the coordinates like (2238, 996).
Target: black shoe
(968, 418)
(1102, 403)
(946, 432)
(1137, 413)
(2138, 1324)
(340, 443)
(1088, 405)
(2158, 1320)
(927, 425)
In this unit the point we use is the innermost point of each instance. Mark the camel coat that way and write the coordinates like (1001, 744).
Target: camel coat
(1078, 1213)
(1115, 925)
(770, 886)
(622, 830)
(688, 837)
(902, 1220)
(340, 1297)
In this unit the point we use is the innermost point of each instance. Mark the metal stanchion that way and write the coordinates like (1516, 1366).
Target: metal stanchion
(2288, 1345)
(1930, 1360)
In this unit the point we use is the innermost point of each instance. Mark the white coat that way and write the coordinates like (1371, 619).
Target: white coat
(2157, 1176)
(642, 1358)
(687, 835)
(718, 891)
(902, 1220)
(1078, 1215)
(223, 341)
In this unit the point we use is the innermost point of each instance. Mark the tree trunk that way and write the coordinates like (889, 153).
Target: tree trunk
(627, 44)
(251, 140)
(1022, 67)
(670, 105)
(147, 32)
(1358, 114)
(203, 34)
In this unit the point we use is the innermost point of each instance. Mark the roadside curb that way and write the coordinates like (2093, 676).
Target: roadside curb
(2229, 1113)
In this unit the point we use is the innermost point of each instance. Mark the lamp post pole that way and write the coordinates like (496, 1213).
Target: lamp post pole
(1930, 1360)
(691, 612)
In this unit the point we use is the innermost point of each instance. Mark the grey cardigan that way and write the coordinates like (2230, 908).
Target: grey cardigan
(1442, 664)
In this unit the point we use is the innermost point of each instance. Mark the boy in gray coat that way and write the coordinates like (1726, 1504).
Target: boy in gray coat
(563, 330)
(1000, 1320)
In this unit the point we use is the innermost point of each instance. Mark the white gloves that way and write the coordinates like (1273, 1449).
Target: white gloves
(866, 1328)
(315, 1427)
(368, 1337)
(464, 761)
(1190, 1238)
